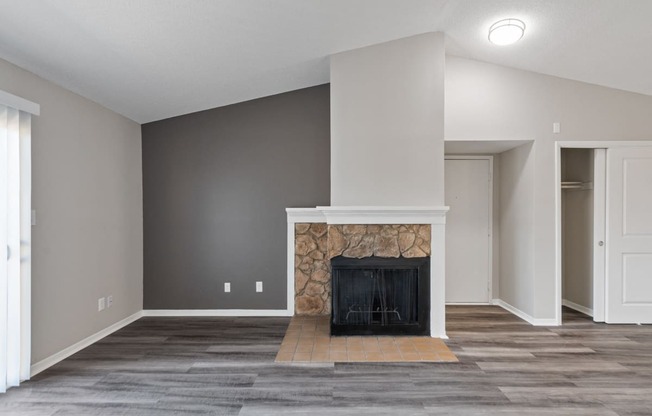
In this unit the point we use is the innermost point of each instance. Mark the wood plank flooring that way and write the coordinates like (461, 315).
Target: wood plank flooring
(225, 366)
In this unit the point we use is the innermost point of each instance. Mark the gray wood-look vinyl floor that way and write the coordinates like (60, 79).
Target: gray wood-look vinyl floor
(225, 366)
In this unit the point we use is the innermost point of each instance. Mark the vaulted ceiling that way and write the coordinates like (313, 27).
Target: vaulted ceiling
(153, 59)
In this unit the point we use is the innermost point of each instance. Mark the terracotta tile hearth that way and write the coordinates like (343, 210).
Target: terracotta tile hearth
(308, 340)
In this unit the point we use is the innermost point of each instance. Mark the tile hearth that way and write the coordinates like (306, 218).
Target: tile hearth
(308, 340)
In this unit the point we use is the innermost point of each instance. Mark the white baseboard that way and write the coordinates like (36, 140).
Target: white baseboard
(575, 306)
(469, 303)
(217, 312)
(67, 352)
(524, 316)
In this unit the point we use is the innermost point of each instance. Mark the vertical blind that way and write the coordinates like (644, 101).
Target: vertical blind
(15, 237)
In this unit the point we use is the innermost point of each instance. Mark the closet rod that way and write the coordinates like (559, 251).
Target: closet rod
(577, 185)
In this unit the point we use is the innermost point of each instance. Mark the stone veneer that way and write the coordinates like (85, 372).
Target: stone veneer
(312, 274)
(360, 241)
(317, 243)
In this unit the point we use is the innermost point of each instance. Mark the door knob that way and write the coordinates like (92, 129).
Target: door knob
(600, 243)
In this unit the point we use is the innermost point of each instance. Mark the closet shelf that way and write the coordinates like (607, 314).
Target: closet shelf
(580, 186)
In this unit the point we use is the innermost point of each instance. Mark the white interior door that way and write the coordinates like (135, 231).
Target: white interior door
(468, 229)
(629, 235)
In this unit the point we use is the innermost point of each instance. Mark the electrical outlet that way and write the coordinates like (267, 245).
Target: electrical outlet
(259, 286)
(556, 128)
(101, 304)
(227, 287)
(109, 301)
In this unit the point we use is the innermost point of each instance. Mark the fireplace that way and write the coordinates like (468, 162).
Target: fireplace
(324, 242)
(380, 296)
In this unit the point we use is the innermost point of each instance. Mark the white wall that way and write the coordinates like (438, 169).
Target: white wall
(87, 193)
(387, 123)
(517, 228)
(486, 101)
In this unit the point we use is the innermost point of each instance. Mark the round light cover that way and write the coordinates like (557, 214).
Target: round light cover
(506, 31)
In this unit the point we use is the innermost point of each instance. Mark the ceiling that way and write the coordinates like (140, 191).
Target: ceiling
(154, 59)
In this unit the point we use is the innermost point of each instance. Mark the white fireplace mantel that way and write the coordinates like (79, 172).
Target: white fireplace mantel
(433, 215)
(384, 215)
(369, 215)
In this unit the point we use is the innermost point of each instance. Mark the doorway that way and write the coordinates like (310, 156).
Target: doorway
(621, 242)
(469, 191)
(577, 215)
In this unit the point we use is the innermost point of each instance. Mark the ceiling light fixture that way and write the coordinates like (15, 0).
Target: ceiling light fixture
(506, 31)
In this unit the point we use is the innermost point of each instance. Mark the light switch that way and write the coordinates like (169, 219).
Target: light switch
(556, 128)
(259, 286)
(227, 287)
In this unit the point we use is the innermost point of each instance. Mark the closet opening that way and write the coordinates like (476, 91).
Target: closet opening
(577, 226)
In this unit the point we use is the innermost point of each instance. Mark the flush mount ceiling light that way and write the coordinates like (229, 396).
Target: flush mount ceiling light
(506, 31)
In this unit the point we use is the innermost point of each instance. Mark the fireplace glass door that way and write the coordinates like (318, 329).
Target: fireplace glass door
(380, 296)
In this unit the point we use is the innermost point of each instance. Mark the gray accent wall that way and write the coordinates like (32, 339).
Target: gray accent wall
(216, 184)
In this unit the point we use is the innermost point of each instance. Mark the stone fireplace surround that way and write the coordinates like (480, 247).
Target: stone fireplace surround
(315, 235)
(317, 243)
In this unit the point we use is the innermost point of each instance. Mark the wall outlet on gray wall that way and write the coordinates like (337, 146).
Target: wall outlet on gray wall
(227, 287)
(101, 304)
(259, 286)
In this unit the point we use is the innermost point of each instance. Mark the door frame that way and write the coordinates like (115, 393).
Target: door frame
(600, 223)
(490, 255)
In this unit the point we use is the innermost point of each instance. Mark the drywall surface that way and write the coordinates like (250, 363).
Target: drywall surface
(87, 193)
(387, 110)
(495, 238)
(485, 101)
(517, 228)
(216, 186)
(577, 228)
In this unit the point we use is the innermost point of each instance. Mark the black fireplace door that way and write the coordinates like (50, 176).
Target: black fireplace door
(380, 296)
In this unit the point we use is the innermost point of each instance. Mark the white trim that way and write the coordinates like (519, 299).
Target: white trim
(385, 215)
(438, 281)
(490, 263)
(26, 245)
(469, 303)
(558, 234)
(216, 312)
(455, 156)
(599, 233)
(67, 352)
(304, 215)
(576, 306)
(290, 269)
(524, 316)
(294, 216)
(558, 248)
(19, 103)
(597, 144)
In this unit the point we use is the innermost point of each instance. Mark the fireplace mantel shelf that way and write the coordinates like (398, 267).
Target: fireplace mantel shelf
(370, 214)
